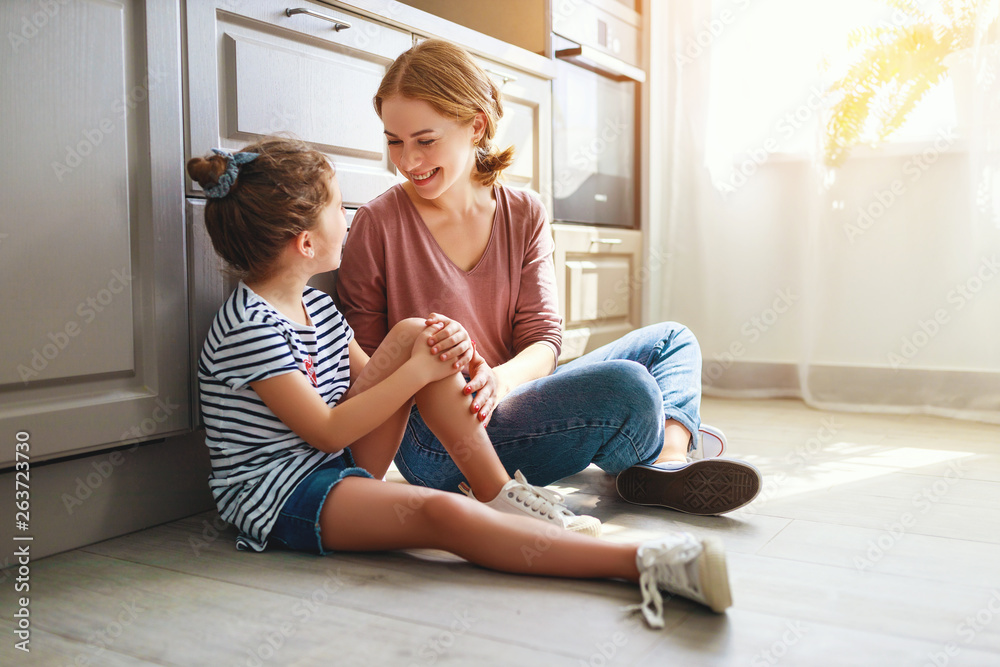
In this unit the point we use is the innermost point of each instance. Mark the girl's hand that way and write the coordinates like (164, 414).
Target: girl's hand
(486, 387)
(449, 341)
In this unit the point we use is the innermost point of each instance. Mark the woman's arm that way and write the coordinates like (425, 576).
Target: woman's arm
(296, 403)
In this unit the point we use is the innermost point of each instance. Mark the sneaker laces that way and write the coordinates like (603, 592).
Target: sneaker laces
(538, 499)
(663, 565)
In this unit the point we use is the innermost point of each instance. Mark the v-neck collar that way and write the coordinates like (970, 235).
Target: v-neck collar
(427, 230)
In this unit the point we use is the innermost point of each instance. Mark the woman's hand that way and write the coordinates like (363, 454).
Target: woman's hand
(487, 388)
(449, 340)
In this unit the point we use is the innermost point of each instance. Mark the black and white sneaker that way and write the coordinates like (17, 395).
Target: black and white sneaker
(705, 486)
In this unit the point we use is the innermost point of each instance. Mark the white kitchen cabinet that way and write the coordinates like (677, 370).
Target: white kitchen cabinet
(599, 276)
(94, 330)
(527, 125)
(253, 70)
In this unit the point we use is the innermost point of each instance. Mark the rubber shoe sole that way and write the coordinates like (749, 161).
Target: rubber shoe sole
(714, 576)
(705, 487)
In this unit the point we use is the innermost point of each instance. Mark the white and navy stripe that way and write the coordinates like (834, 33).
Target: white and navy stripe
(257, 461)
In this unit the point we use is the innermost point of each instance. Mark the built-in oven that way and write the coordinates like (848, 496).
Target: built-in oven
(595, 92)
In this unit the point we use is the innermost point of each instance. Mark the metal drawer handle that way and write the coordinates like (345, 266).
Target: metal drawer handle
(507, 78)
(606, 241)
(338, 25)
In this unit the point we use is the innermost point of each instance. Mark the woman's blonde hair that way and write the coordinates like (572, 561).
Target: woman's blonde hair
(446, 77)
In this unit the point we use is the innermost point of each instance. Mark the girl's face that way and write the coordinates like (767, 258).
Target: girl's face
(433, 151)
(330, 229)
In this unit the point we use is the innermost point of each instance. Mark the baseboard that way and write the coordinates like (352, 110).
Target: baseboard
(956, 393)
(88, 499)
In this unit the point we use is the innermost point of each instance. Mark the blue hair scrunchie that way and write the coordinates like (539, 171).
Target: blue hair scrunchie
(233, 162)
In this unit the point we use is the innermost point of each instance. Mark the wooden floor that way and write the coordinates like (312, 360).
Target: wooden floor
(876, 541)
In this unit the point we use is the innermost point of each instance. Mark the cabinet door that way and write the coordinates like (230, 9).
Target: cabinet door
(526, 124)
(94, 327)
(254, 71)
(598, 277)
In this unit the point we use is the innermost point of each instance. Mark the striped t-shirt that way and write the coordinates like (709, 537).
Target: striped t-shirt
(257, 461)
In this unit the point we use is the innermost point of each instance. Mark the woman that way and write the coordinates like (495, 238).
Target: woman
(451, 239)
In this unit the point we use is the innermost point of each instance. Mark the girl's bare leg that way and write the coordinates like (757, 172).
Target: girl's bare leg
(361, 514)
(445, 410)
(374, 451)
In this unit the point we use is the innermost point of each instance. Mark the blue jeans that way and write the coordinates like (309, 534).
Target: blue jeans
(607, 407)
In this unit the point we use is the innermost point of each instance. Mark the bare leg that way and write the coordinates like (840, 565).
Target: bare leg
(675, 442)
(374, 451)
(445, 410)
(367, 515)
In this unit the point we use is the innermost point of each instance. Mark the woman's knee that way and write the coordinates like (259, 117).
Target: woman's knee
(629, 380)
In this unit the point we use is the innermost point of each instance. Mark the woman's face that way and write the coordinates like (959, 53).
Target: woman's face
(433, 151)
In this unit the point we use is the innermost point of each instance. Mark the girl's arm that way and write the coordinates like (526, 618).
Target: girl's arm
(296, 403)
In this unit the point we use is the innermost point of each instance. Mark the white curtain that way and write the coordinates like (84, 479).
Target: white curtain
(872, 286)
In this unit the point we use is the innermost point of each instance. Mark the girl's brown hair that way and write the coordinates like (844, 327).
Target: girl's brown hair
(275, 197)
(446, 77)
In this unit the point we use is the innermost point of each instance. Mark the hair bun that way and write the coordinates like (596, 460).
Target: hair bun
(207, 171)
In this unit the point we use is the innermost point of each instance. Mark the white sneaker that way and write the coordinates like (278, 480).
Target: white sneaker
(681, 564)
(711, 443)
(519, 497)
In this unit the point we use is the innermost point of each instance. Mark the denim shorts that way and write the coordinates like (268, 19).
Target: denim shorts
(297, 526)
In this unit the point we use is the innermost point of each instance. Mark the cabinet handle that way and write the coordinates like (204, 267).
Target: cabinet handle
(605, 241)
(338, 25)
(507, 78)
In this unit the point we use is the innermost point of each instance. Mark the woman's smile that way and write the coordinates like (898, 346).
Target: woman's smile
(421, 179)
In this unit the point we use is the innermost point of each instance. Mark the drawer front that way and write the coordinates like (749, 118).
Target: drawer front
(599, 281)
(254, 71)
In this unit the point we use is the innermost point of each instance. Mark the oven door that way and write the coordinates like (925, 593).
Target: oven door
(594, 134)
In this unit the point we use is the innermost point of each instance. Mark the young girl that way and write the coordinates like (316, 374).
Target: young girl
(302, 424)
(484, 255)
